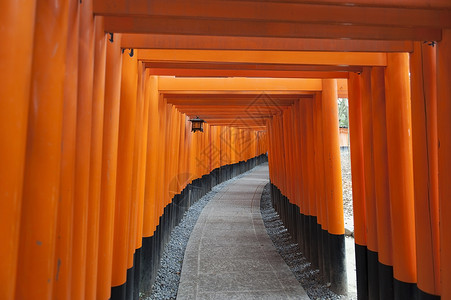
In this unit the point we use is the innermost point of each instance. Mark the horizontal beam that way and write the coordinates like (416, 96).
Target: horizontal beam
(249, 66)
(388, 3)
(255, 128)
(224, 106)
(207, 116)
(233, 96)
(244, 28)
(245, 73)
(270, 103)
(306, 94)
(197, 42)
(230, 114)
(249, 122)
(238, 84)
(266, 57)
(233, 113)
(271, 11)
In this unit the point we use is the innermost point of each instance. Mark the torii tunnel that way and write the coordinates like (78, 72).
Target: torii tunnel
(98, 162)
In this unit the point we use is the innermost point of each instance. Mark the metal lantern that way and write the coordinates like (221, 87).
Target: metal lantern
(197, 124)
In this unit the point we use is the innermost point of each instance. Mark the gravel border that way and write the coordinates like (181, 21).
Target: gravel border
(168, 276)
(302, 269)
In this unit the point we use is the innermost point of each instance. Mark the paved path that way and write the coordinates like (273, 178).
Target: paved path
(229, 254)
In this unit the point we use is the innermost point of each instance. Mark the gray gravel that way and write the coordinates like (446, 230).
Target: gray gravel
(347, 190)
(302, 269)
(168, 277)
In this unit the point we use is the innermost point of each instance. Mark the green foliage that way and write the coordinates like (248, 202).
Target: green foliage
(343, 115)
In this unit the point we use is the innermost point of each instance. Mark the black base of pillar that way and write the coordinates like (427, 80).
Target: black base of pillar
(147, 255)
(130, 283)
(326, 247)
(118, 292)
(373, 275)
(361, 263)
(313, 224)
(338, 277)
(320, 249)
(425, 296)
(386, 282)
(404, 290)
(306, 231)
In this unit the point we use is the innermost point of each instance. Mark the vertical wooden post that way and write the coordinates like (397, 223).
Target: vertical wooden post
(444, 156)
(63, 251)
(321, 196)
(311, 182)
(297, 160)
(143, 160)
(132, 253)
(83, 150)
(113, 71)
(425, 166)
(305, 188)
(150, 193)
(382, 192)
(370, 192)
(161, 165)
(124, 174)
(358, 184)
(152, 159)
(95, 170)
(334, 195)
(399, 145)
(41, 183)
(17, 21)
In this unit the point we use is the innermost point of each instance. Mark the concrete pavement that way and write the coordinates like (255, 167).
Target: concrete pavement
(229, 254)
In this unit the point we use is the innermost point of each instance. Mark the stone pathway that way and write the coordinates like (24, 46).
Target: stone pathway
(229, 254)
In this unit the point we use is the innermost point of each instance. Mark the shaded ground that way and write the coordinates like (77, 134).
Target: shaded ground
(302, 269)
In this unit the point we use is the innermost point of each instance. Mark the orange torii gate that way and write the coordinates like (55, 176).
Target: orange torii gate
(98, 162)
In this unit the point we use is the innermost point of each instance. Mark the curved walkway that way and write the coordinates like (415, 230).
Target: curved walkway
(229, 254)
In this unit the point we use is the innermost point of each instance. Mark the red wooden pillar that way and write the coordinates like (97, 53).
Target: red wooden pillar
(358, 184)
(149, 205)
(95, 170)
(399, 145)
(444, 156)
(423, 78)
(370, 192)
(132, 253)
(17, 21)
(124, 174)
(152, 159)
(311, 182)
(305, 174)
(334, 197)
(63, 251)
(83, 150)
(381, 185)
(41, 184)
(161, 165)
(109, 166)
(321, 184)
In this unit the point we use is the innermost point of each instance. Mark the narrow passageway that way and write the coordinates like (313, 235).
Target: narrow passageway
(230, 255)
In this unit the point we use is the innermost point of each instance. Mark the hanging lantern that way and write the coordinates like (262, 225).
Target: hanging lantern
(197, 124)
